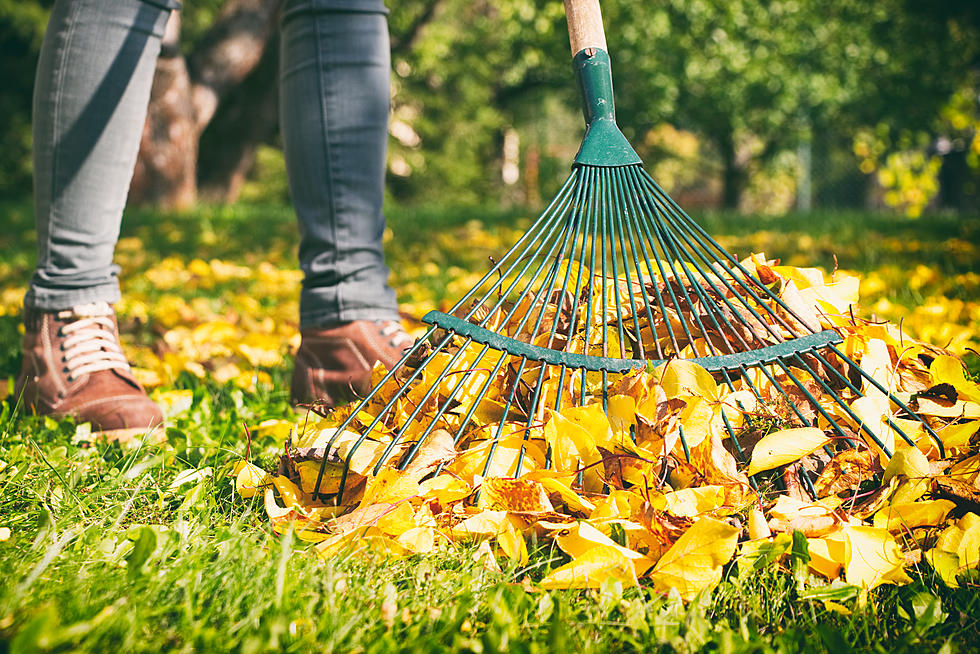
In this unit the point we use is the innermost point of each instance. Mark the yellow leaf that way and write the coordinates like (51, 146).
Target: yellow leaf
(503, 459)
(398, 519)
(758, 527)
(946, 564)
(949, 539)
(694, 562)
(827, 555)
(967, 470)
(836, 607)
(594, 567)
(690, 502)
(362, 453)
(876, 361)
(949, 370)
(575, 540)
(496, 524)
(901, 517)
(909, 462)
(4, 534)
(420, 540)
(261, 349)
(560, 484)
(618, 505)
(969, 546)
(248, 478)
(483, 523)
(389, 486)
(908, 490)
(444, 489)
(289, 492)
(274, 427)
(571, 444)
(872, 557)
(752, 554)
(785, 446)
(370, 541)
(680, 378)
(621, 410)
(873, 411)
(309, 471)
(958, 435)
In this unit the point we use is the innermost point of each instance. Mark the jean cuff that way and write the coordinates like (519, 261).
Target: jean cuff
(48, 299)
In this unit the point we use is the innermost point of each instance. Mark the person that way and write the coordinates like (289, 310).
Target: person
(90, 101)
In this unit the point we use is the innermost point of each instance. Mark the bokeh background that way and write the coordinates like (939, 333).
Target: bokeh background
(756, 105)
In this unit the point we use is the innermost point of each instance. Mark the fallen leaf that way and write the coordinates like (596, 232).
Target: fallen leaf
(785, 446)
(594, 567)
(694, 562)
(872, 557)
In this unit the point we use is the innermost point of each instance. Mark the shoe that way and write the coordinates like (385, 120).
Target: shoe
(74, 366)
(333, 365)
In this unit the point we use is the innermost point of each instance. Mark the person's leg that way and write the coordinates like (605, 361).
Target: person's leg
(90, 98)
(334, 99)
(91, 94)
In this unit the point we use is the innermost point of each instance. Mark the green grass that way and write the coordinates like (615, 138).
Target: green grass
(107, 553)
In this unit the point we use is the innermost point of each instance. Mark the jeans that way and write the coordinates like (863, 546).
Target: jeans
(90, 100)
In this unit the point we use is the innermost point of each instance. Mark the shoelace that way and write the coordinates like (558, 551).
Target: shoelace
(90, 343)
(400, 339)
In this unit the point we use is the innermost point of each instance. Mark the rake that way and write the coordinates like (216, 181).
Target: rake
(612, 277)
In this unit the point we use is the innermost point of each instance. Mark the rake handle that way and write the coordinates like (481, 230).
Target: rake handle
(584, 25)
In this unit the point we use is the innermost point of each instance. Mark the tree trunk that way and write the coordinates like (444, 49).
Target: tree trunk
(247, 118)
(187, 94)
(733, 175)
(165, 173)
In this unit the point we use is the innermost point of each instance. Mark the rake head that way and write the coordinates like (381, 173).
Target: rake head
(612, 281)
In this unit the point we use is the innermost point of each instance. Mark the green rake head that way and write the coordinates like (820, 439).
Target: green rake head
(612, 277)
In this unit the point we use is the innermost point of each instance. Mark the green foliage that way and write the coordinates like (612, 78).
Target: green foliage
(750, 78)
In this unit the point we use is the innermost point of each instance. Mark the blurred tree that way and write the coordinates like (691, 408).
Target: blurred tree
(186, 95)
(21, 32)
(749, 78)
(753, 75)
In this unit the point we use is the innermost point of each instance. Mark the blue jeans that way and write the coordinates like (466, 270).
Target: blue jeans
(93, 86)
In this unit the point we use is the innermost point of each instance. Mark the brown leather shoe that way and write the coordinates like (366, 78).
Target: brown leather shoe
(73, 365)
(333, 365)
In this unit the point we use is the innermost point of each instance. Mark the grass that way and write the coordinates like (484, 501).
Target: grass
(146, 547)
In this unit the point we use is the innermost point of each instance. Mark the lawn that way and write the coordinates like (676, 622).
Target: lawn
(147, 546)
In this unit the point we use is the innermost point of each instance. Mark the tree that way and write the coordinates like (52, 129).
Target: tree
(187, 92)
(21, 32)
(752, 75)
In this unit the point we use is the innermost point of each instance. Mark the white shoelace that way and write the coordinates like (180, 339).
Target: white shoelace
(400, 339)
(90, 343)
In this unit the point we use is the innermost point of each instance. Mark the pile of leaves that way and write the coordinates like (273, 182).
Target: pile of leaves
(665, 478)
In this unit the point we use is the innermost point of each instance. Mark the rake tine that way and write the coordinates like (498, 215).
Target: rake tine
(503, 419)
(891, 396)
(622, 234)
(631, 225)
(374, 391)
(671, 249)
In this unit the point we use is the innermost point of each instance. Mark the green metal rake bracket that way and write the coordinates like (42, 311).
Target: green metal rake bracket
(727, 362)
(604, 143)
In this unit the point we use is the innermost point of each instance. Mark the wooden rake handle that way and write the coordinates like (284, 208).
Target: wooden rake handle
(585, 25)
